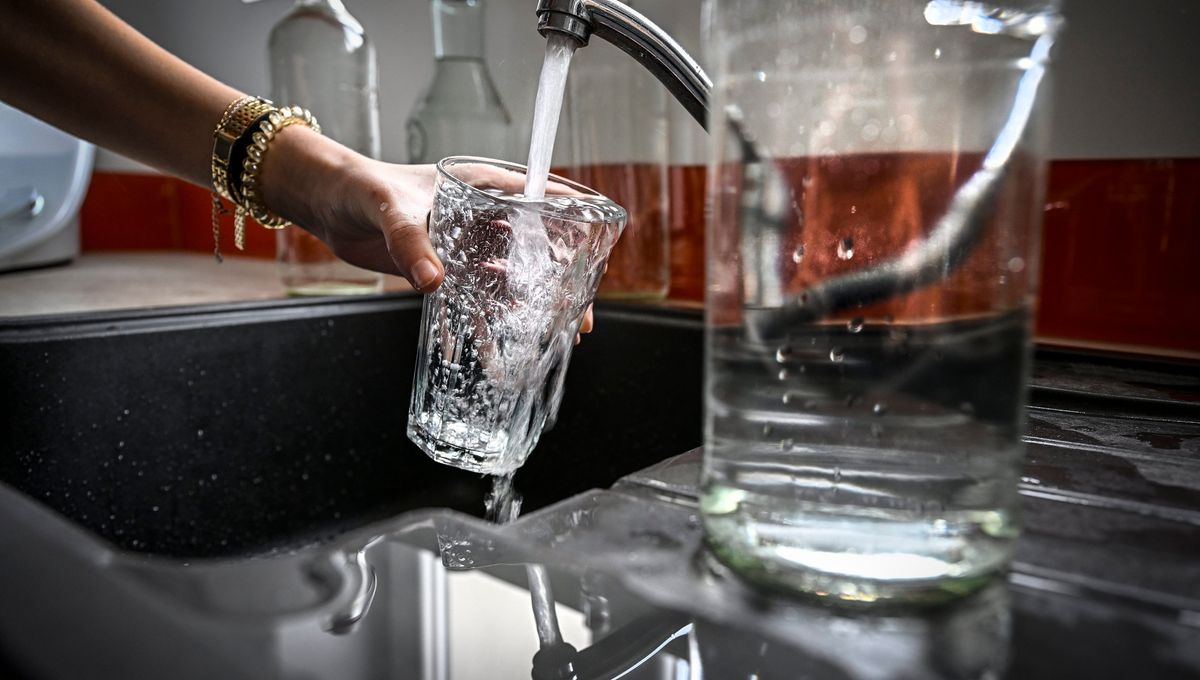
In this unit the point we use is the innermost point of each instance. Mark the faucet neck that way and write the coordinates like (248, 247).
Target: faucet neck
(638, 37)
(457, 29)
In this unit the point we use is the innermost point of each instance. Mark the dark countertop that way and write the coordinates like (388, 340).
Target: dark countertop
(1106, 581)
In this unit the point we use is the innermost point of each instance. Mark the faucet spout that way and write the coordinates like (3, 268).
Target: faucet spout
(638, 37)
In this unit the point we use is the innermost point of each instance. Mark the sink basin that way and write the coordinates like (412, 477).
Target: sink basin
(169, 446)
(227, 431)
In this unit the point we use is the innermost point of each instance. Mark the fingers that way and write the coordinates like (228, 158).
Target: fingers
(483, 176)
(586, 326)
(408, 244)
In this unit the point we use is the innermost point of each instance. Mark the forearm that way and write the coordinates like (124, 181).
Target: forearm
(75, 65)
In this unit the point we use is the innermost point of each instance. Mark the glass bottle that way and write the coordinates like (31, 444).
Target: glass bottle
(461, 111)
(618, 146)
(320, 59)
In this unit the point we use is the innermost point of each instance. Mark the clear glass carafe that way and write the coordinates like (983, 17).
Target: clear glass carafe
(321, 59)
(461, 112)
(617, 144)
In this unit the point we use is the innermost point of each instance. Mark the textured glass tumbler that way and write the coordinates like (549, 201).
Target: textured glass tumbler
(497, 335)
(875, 220)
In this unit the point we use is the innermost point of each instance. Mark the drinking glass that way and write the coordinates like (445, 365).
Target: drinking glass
(497, 335)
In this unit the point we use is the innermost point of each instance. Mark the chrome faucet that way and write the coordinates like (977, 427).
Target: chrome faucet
(766, 196)
(638, 37)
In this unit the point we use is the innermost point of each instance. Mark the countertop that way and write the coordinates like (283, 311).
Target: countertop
(103, 281)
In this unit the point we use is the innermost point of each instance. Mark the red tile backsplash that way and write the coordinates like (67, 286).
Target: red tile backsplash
(133, 211)
(1120, 252)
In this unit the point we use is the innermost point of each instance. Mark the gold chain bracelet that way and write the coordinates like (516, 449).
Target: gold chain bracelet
(260, 141)
(240, 142)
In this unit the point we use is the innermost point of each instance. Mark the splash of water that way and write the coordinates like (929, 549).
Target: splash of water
(503, 507)
(503, 504)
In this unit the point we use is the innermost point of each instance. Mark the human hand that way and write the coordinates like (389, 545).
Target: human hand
(370, 213)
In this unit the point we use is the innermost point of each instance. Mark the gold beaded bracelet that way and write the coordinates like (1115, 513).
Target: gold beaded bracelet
(261, 140)
(241, 138)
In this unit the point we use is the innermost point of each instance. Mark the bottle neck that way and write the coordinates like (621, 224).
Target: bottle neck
(329, 8)
(335, 5)
(457, 29)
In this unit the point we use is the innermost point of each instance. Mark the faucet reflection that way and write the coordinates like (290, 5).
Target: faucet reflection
(705, 625)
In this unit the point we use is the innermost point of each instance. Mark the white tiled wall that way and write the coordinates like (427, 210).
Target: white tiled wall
(1126, 78)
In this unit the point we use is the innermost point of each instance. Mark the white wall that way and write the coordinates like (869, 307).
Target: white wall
(1126, 81)
(228, 39)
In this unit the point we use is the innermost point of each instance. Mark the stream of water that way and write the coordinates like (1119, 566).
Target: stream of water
(546, 110)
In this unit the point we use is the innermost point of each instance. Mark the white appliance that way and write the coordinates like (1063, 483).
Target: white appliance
(44, 174)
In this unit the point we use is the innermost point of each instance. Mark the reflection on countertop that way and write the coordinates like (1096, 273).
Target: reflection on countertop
(99, 281)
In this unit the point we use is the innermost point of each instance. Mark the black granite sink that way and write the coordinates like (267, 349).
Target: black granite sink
(233, 432)
(230, 431)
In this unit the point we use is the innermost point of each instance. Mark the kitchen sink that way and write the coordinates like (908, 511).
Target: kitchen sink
(226, 492)
(239, 430)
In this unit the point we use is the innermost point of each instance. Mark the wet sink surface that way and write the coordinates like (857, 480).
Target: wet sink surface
(136, 444)
(229, 431)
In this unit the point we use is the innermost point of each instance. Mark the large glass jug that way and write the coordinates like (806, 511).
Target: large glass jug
(877, 176)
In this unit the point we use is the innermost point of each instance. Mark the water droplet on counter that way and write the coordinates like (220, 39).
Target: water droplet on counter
(836, 355)
(787, 444)
(858, 35)
(879, 408)
(783, 354)
(798, 254)
(855, 325)
(845, 249)
(783, 374)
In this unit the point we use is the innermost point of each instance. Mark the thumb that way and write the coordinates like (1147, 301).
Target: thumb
(407, 239)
